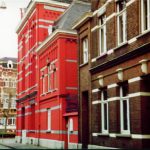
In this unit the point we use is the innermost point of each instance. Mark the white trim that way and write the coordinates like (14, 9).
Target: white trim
(134, 79)
(53, 35)
(94, 134)
(110, 51)
(20, 72)
(112, 86)
(42, 26)
(51, 108)
(27, 66)
(133, 136)
(113, 99)
(46, 21)
(93, 60)
(71, 88)
(101, 10)
(71, 60)
(28, 73)
(111, 16)
(95, 28)
(95, 90)
(139, 94)
(132, 40)
(54, 8)
(113, 135)
(130, 2)
(96, 102)
(140, 136)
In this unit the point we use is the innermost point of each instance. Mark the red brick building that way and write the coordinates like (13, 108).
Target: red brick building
(114, 56)
(47, 79)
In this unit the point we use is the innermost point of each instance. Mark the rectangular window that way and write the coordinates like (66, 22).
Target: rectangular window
(49, 119)
(49, 78)
(43, 82)
(124, 109)
(121, 21)
(102, 34)
(85, 50)
(104, 111)
(145, 12)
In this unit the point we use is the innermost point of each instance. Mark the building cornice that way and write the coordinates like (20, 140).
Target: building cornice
(32, 7)
(132, 54)
(82, 20)
(52, 36)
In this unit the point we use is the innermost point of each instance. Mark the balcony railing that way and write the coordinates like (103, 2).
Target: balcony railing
(72, 103)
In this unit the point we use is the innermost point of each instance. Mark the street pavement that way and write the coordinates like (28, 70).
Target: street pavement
(11, 144)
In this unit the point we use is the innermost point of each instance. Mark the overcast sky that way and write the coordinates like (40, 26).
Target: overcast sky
(9, 19)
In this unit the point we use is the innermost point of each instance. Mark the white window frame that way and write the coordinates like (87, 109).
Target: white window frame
(103, 102)
(85, 50)
(102, 27)
(122, 113)
(142, 16)
(49, 116)
(123, 14)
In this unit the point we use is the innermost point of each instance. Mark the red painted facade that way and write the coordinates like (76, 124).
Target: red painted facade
(47, 79)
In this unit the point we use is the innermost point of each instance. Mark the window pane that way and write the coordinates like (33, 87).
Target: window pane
(120, 29)
(125, 120)
(121, 5)
(102, 40)
(105, 116)
(145, 14)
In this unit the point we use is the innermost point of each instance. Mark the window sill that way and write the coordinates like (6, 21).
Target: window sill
(102, 134)
(103, 55)
(121, 45)
(123, 135)
(82, 65)
(143, 33)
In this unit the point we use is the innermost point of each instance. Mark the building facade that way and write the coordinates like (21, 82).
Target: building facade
(118, 64)
(8, 77)
(47, 104)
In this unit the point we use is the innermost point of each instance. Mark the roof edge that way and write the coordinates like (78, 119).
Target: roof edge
(53, 35)
(82, 20)
(32, 6)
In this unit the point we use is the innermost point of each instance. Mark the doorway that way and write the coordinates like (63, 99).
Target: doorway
(85, 119)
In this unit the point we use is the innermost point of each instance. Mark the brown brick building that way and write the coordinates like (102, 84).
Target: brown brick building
(114, 74)
(8, 75)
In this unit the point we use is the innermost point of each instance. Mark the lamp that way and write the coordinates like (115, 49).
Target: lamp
(2, 5)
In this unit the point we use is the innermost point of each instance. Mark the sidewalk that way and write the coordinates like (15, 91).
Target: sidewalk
(11, 144)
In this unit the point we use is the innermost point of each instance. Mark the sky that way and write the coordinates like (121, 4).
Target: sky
(9, 19)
